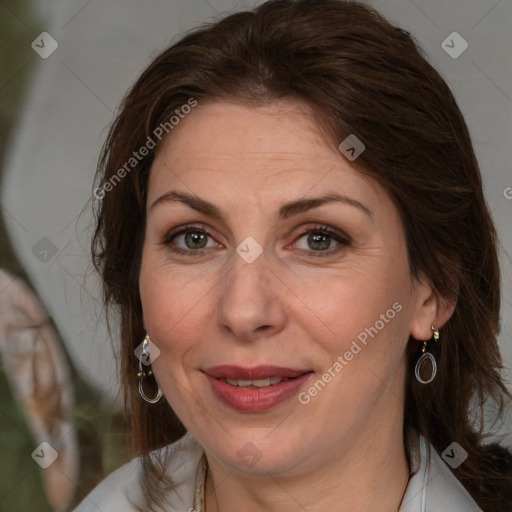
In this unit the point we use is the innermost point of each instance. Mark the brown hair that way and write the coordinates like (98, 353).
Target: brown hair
(362, 76)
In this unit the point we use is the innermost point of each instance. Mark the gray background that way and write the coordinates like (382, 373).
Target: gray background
(103, 47)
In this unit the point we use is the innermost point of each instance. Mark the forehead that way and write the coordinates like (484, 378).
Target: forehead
(274, 148)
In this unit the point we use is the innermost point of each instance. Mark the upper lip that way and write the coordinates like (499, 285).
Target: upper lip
(253, 373)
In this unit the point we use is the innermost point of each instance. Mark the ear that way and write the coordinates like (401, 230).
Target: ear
(430, 310)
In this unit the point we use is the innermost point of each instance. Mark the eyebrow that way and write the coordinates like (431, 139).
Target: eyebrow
(285, 211)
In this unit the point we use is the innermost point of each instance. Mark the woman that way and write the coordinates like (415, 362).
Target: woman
(292, 226)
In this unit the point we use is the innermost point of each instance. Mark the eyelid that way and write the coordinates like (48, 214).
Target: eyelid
(181, 230)
(339, 236)
(168, 237)
(342, 239)
(324, 228)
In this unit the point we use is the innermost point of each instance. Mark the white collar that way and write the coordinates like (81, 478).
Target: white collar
(434, 487)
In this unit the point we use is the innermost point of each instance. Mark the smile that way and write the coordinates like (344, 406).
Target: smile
(255, 389)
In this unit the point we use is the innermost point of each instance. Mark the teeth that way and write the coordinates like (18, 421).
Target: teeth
(243, 383)
(260, 383)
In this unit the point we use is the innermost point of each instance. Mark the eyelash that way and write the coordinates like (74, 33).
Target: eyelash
(318, 229)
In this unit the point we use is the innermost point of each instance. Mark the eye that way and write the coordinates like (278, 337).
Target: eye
(320, 240)
(317, 241)
(190, 240)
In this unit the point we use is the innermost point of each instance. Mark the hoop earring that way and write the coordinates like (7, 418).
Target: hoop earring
(142, 374)
(424, 357)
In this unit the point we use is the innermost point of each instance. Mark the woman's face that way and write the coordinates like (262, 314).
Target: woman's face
(267, 256)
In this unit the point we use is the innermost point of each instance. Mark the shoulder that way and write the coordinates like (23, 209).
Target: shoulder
(121, 489)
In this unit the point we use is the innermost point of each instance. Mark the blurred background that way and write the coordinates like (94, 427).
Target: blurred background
(64, 66)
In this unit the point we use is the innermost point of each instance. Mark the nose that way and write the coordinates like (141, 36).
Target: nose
(252, 302)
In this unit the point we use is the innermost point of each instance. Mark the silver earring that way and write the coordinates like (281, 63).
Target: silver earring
(423, 358)
(142, 374)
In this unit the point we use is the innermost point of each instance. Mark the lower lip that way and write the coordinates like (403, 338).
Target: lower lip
(255, 400)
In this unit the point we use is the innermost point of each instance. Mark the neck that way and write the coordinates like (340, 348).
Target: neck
(370, 473)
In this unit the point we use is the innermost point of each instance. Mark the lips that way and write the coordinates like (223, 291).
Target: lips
(255, 389)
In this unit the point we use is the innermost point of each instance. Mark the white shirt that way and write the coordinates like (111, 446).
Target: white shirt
(432, 486)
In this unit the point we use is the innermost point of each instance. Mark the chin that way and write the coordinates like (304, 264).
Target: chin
(258, 452)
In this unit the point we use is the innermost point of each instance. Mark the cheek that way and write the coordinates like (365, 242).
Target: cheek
(354, 299)
(163, 302)
(364, 318)
(361, 351)
(174, 308)
(175, 303)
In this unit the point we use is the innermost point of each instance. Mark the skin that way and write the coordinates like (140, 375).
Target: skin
(290, 307)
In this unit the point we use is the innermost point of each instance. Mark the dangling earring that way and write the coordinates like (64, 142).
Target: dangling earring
(142, 374)
(430, 357)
